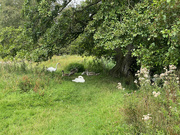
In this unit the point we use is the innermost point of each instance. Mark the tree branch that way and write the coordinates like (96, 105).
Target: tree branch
(89, 5)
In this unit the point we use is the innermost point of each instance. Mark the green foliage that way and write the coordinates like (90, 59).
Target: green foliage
(71, 66)
(153, 109)
(95, 65)
(15, 43)
(151, 27)
(98, 27)
(10, 12)
(158, 44)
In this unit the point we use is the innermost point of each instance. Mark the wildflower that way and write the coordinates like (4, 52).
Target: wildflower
(156, 94)
(165, 68)
(172, 67)
(162, 75)
(153, 92)
(141, 78)
(120, 86)
(146, 117)
(170, 71)
(155, 76)
(146, 75)
(165, 83)
(135, 81)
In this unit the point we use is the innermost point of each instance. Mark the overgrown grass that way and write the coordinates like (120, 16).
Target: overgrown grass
(154, 109)
(33, 101)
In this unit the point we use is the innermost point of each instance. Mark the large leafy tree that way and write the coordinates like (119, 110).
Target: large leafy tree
(147, 32)
(55, 25)
(147, 29)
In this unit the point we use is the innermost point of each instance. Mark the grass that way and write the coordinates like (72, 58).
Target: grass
(56, 105)
(34, 101)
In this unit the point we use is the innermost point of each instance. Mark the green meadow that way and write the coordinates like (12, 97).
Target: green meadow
(34, 101)
(54, 104)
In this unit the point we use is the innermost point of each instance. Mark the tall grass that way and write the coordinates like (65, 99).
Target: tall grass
(33, 101)
(154, 109)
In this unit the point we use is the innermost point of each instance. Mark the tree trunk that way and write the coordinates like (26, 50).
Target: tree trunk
(124, 64)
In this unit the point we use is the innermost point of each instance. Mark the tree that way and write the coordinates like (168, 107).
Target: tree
(134, 31)
(55, 25)
(10, 12)
(147, 29)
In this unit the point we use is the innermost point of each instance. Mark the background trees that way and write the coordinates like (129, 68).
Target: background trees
(10, 13)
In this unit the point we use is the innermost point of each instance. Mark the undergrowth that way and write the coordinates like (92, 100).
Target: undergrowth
(154, 109)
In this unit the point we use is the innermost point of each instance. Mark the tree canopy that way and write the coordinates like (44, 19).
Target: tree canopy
(10, 13)
(142, 31)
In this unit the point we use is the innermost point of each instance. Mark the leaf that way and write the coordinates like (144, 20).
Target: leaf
(168, 1)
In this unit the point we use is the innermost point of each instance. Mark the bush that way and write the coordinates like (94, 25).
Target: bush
(154, 109)
(99, 65)
(79, 66)
(25, 84)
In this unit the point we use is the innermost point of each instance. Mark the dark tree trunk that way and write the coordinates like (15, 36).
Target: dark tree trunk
(124, 64)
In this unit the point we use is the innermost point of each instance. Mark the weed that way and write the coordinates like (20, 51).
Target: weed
(154, 109)
(25, 84)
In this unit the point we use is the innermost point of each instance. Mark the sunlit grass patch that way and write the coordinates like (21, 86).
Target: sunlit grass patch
(56, 105)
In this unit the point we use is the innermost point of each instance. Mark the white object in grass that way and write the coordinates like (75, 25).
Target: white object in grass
(51, 69)
(79, 79)
(146, 117)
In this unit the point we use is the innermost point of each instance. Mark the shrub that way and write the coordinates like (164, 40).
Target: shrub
(99, 65)
(25, 84)
(79, 66)
(154, 109)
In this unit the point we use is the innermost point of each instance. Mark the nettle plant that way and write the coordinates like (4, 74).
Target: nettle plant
(155, 108)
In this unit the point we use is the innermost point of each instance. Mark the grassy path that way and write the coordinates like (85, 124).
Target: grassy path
(65, 108)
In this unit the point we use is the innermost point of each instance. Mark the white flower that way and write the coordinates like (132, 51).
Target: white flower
(141, 78)
(172, 67)
(170, 71)
(146, 75)
(135, 81)
(153, 92)
(155, 76)
(146, 117)
(156, 94)
(120, 86)
(162, 75)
